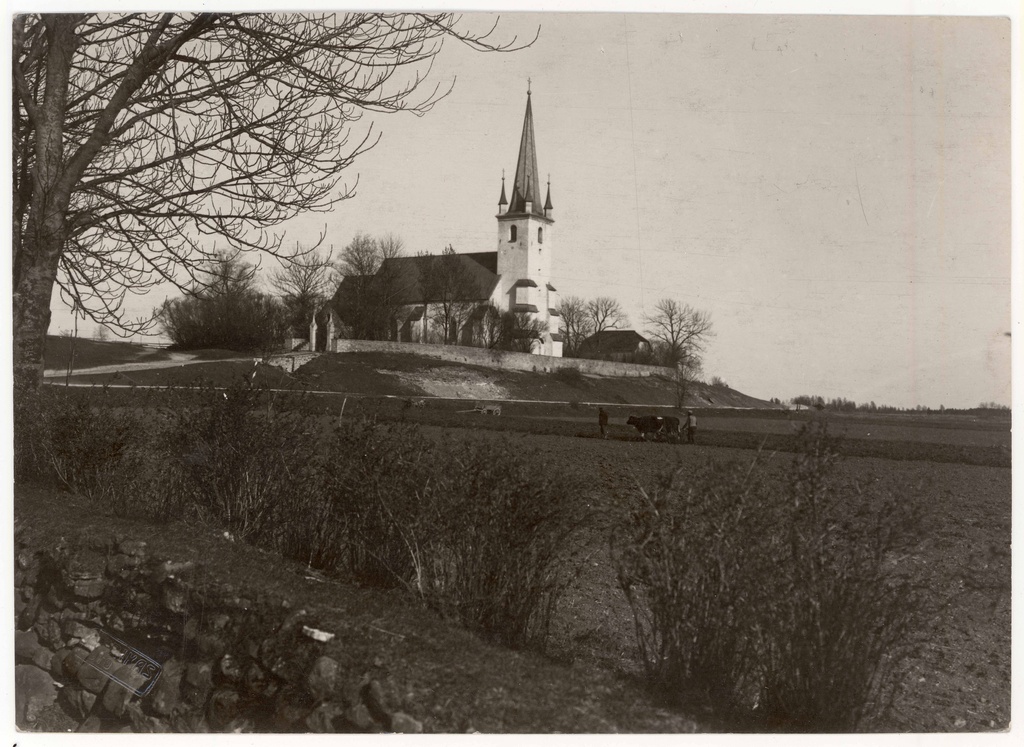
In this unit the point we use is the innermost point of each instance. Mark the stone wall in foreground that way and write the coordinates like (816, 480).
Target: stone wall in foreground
(501, 359)
(127, 642)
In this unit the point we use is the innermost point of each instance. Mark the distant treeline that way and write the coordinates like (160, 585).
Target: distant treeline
(840, 404)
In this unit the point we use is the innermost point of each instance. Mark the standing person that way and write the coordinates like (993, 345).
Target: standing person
(602, 421)
(691, 426)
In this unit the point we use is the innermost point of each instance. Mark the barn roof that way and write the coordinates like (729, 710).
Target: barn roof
(613, 341)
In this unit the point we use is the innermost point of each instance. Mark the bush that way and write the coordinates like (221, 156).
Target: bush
(72, 442)
(569, 375)
(238, 461)
(479, 532)
(685, 560)
(774, 601)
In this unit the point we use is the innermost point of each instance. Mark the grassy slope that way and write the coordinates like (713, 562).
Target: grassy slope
(90, 353)
(395, 374)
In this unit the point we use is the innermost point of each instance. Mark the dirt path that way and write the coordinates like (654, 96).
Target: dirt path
(176, 360)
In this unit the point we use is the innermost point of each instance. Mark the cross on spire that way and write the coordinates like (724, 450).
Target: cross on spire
(528, 84)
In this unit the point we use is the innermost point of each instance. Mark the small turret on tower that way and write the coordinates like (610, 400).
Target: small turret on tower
(502, 203)
(547, 201)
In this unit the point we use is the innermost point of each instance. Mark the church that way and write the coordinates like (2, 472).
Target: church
(515, 277)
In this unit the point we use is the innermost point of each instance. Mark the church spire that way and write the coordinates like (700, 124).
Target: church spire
(502, 202)
(526, 181)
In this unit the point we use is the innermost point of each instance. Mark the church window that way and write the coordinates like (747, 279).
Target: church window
(540, 235)
(512, 233)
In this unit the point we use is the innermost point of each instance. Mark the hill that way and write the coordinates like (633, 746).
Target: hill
(410, 375)
(92, 353)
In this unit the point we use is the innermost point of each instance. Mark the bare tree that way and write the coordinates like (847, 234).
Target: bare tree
(360, 258)
(687, 371)
(679, 331)
(605, 313)
(303, 282)
(370, 302)
(520, 331)
(137, 138)
(576, 324)
(450, 293)
(490, 327)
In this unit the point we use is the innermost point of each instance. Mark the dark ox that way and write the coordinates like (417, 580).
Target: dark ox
(658, 426)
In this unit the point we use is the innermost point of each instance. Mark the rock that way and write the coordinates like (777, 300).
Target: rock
(191, 629)
(75, 629)
(405, 724)
(34, 690)
(55, 597)
(191, 722)
(240, 726)
(325, 718)
(73, 661)
(57, 663)
(229, 668)
(80, 702)
(220, 622)
(166, 693)
(27, 559)
(373, 697)
(284, 667)
(91, 724)
(170, 569)
(92, 673)
(19, 605)
(48, 630)
(121, 565)
(256, 680)
(89, 587)
(199, 674)
(143, 724)
(322, 678)
(84, 575)
(292, 707)
(122, 688)
(197, 683)
(358, 719)
(28, 651)
(28, 614)
(224, 707)
(289, 621)
(317, 635)
(175, 598)
(211, 646)
(132, 547)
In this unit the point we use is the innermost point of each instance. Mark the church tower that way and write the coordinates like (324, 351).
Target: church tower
(525, 242)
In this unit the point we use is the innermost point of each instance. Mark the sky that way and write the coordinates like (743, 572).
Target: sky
(833, 190)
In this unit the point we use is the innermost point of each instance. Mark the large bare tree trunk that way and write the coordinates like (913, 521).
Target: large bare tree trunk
(32, 310)
(39, 246)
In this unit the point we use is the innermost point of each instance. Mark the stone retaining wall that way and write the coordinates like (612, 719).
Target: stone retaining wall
(216, 661)
(501, 359)
(290, 361)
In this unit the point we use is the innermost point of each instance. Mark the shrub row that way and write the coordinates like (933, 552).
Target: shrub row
(479, 532)
(779, 603)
